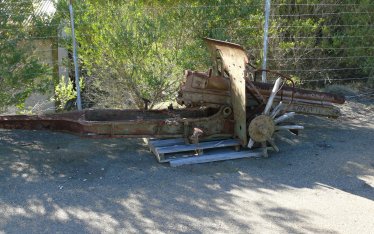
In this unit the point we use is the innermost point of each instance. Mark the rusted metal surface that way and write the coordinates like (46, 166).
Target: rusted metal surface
(234, 60)
(314, 109)
(286, 91)
(198, 90)
(304, 101)
(128, 123)
(302, 95)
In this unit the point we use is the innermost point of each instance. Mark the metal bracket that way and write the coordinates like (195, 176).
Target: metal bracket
(234, 60)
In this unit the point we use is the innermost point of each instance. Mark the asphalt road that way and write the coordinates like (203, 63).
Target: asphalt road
(321, 182)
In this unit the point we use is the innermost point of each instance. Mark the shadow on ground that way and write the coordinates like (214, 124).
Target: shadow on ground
(53, 182)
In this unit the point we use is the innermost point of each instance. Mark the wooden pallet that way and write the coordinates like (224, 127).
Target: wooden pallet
(177, 153)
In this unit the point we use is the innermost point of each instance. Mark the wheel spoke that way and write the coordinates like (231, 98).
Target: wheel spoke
(275, 147)
(250, 143)
(284, 117)
(276, 110)
(288, 127)
(272, 95)
(264, 149)
(285, 139)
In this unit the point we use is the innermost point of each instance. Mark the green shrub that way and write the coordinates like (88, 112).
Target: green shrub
(64, 91)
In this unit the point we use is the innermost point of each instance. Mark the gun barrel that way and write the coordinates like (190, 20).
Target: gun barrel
(300, 94)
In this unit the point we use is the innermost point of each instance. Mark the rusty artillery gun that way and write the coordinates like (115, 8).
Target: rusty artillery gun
(224, 107)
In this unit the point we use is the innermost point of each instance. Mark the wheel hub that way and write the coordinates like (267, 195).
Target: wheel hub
(261, 128)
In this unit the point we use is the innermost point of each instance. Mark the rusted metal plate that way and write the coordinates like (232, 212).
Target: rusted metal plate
(315, 109)
(286, 91)
(201, 89)
(129, 123)
(216, 93)
(234, 60)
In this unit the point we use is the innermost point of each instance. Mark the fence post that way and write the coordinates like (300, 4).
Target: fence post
(266, 31)
(75, 58)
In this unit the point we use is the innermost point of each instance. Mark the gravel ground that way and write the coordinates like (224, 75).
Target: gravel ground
(321, 182)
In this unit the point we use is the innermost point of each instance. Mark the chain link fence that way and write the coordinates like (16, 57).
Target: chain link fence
(130, 50)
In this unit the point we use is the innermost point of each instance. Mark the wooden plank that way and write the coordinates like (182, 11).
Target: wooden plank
(202, 145)
(214, 157)
(161, 158)
(153, 144)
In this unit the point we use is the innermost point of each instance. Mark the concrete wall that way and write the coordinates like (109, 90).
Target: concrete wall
(42, 103)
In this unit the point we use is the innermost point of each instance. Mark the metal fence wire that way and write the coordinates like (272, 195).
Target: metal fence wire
(130, 50)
